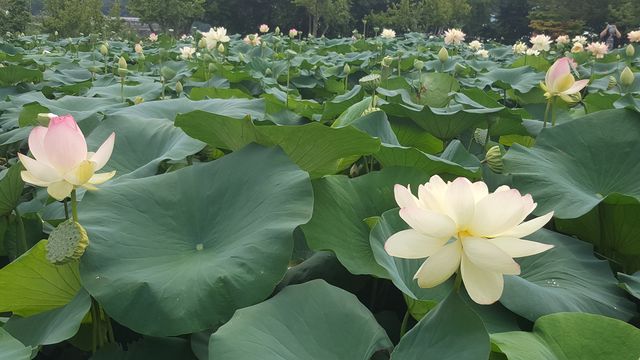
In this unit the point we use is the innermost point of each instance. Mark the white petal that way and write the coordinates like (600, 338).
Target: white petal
(528, 227)
(497, 213)
(410, 244)
(460, 202)
(518, 247)
(480, 190)
(429, 222)
(39, 170)
(488, 256)
(484, 286)
(36, 143)
(29, 178)
(103, 153)
(98, 179)
(440, 266)
(60, 190)
(404, 197)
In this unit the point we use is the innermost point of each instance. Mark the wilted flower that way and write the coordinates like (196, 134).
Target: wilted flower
(264, 28)
(560, 82)
(483, 53)
(580, 39)
(252, 39)
(475, 45)
(532, 52)
(540, 42)
(562, 40)
(634, 36)
(62, 162)
(460, 226)
(138, 48)
(293, 33)
(598, 49)
(577, 47)
(187, 52)
(153, 37)
(388, 33)
(453, 36)
(519, 48)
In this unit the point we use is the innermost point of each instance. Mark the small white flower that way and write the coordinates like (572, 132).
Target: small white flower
(598, 49)
(580, 39)
(533, 52)
(187, 52)
(541, 43)
(388, 34)
(562, 39)
(475, 45)
(519, 48)
(483, 53)
(264, 28)
(454, 36)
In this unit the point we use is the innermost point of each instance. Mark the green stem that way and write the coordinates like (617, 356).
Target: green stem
(405, 323)
(373, 99)
(74, 206)
(288, 80)
(487, 138)
(22, 238)
(546, 113)
(553, 112)
(122, 88)
(66, 209)
(94, 328)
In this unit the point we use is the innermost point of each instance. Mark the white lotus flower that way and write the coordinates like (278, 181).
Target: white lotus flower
(475, 45)
(483, 53)
(252, 39)
(562, 40)
(388, 34)
(153, 37)
(580, 39)
(460, 226)
(634, 36)
(540, 42)
(577, 47)
(519, 48)
(187, 52)
(214, 36)
(532, 52)
(453, 36)
(598, 49)
(264, 28)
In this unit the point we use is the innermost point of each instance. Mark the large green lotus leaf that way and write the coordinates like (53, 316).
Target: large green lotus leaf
(148, 90)
(522, 78)
(53, 326)
(165, 272)
(340, 208)
(569, 336)
(566, 278)
(12, 349)
(11, 186)
(149, 348)
(341, 103)
(217, 93)
(31, 284)
(316, 148)
(575, 166)
(311, 321)
(13, 74)
(451, 331)
(631, 283)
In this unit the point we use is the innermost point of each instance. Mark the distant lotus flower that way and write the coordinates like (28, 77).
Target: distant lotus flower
(562, 40)
(252, 39)
(62, 162)
(138, 48)
(519, 48)
(214, 36)
(532, 52)
(453, 36)
(388, 34)
(483, 53)
(264, 28)
(475, 45)
(560, 82)
(634, 36)
(540, 42)
(187, 52)
(580, 39)
(293, 33)
(598, 49)
(577, 47)
(460, 226)
(153, 37)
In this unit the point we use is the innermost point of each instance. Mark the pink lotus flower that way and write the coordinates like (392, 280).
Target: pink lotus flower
(252, 39)
(293, 33)
(62, 162)
(460, 226)
(153, 37)
(560, 82)
(264, 28)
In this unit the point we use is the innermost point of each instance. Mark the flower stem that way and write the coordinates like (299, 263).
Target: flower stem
(546, 113)
(405, 323)
(553, 112)
(94, 327)
(74, 206)
(22, 238)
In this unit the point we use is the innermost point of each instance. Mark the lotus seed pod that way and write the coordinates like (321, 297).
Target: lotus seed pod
(104, 50)
(221, 48)
(370, 110)
(626, 77)
(179, 87)
(418, 64)
(168, 73)
(122, 63)
(370, 82)
(346, 69)
(630, 50)
(480, 136)
(573, 99)
(386, 61)
(443, 55)
(202, 43)
(67, 242)
(612, 83)
(494, 159)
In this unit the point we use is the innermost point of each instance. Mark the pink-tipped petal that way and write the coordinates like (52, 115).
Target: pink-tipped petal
(576, 87)
(404, 197)
(440, 266)
(428, 222)
(559, 69)
(518, 247)
(60, 190)
(488, 256)
(410, 244)
(64, 144)
(103, 153)
(39, 170)
(484, 286)
(527, 227)
(36, 143)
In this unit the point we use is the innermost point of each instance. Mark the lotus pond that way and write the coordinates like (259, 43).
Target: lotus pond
(276, 198)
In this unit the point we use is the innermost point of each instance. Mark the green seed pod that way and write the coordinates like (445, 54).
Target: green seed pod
(443, 55)
(418, 64)
(179, 88)
(67, 242)
(168, 73)
(480, 136)
(370, 82)
(630, 50)
(612, 83)
(494, 159)
(627, 77)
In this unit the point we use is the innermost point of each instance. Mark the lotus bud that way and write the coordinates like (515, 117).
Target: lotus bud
(211, 67)
(376, 29)
(202, 43)
(386, 61)
(241, 57)
(626, 77)
(370, 82)
(138, 100)
(443, 55)
(612, 83)
(418, 64)
(179, 88)
(67, 242)
(630, 50)
(104, 50)
(346, 69)
(221, 48)
(122, 63)
(494, 159)
(277, 30)
(268, 72)
(168, 73)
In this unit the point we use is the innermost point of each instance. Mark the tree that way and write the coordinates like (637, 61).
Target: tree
(14, 15)
(329, 12)
(481, 19)
(72, 17)
(168, 14)
(625, 14)
(422, 15)
(115, 23)
(555, 17)
(511, 20)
